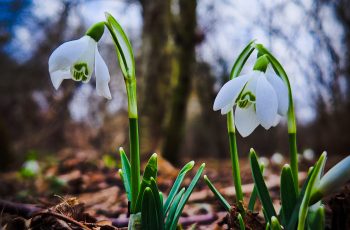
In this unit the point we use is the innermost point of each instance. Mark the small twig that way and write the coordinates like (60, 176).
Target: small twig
(62, 217)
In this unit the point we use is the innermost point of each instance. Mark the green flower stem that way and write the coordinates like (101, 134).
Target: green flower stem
(292, 129)
(118, 35)
(234, 160)
(130, 84)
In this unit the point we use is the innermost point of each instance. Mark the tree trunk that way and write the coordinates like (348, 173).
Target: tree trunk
(185, 40)
(156, 71)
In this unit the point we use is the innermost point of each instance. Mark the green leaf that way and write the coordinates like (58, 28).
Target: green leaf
(123, 46)
(149, 217)
(294, 218)
(177, 185)
(241, 60)
(185, 197)
(241, 222)
(173, 208)
(275, 224)
(254, 194)
(158, 202)
(316, 218)
(288, 193)
(217, 194)
(150, 172)
(125, 172)
(151, 168)
(263, 193)
(305, 203)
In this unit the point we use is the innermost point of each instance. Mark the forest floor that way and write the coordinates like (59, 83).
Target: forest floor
(79, 190)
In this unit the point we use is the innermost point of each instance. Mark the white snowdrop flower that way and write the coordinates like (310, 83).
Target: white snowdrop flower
(277, 159)
(335, 177)
(260, 99)
(77, 60)
(264, 160)
(32, 166)
(309, 154)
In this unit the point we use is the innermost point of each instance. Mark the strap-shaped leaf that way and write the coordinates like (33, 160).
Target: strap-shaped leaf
(316, 218)
(263, 193)
(241, 60)
(254, 194)
(173, 208)
(158, 202)
(150, 172)
(305, 203)
(185, 197)
(177, 185)
(288, 193)
(151, 168)
(241, 222)
(275, 224)
(125, 172)
(124, 50)
(294, 218)
(149, 217)
(217, 194)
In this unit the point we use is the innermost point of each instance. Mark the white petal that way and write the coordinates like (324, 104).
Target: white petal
(66, 54)
(266, 103)
(229, 91)
(246, 120)
(102, 76)
(281, 91)
(227, 108)
(276, 121)
(252, 83)
(88, 56)
(58, 76)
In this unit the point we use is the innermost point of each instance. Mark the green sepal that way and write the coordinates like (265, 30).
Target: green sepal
(149, 215)
(186, 196)
(176, 185)
(241, 222)
(254, 194)
(173, 208)
(311, 185)
(150, 172)
(263, 193)
(275, 224)
(288, 193)
(96, 31)
(126, 176)
(217, 194)
(124, 50)
(261, 63)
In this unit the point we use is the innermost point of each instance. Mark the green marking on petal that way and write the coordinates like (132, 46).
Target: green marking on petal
(80, 71)
(246, 99)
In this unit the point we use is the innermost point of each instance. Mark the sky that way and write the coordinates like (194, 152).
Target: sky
(228, 27)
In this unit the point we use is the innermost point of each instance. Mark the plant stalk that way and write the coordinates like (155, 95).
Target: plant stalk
(133, 140)
(234, 160)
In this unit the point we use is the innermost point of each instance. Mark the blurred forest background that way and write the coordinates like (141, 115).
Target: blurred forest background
(184, 52)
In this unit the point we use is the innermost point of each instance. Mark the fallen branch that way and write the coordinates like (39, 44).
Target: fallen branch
(62, 217)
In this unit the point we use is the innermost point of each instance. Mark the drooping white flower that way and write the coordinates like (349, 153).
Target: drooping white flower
(260, 98)
(77, 60)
